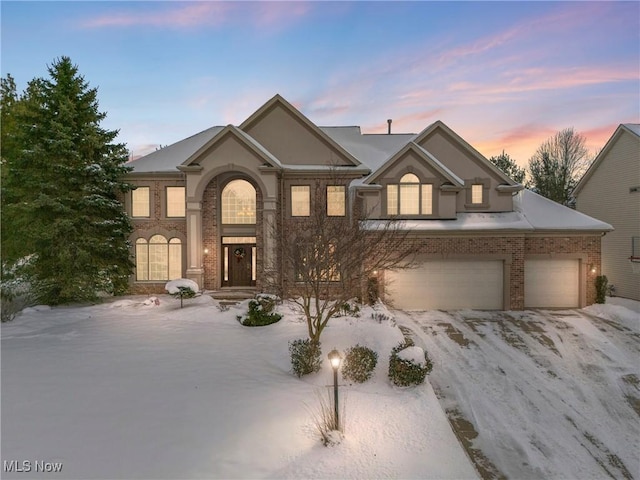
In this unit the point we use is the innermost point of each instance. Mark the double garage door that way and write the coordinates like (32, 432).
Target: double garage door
(448, 285)
(461, 284)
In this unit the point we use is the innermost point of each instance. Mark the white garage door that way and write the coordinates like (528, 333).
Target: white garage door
(448, 285)
(551, 283)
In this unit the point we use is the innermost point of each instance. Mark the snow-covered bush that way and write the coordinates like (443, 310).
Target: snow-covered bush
(15, 291)
(408, 364)
(359, 364)
(305, 356)
(260, 312)
(350, 308)
(182, 288)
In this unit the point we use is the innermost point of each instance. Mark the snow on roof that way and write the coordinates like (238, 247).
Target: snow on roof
(545, 214)
(634, 127)
(371, 149)
(168, 158)
(532, 212)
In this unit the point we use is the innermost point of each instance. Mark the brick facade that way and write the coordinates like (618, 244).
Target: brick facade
(157, 223)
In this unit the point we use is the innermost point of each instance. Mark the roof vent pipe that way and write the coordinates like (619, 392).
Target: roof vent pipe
(389, 126)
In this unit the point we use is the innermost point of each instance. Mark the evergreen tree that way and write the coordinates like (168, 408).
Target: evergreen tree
(63, 183)
(508, 166)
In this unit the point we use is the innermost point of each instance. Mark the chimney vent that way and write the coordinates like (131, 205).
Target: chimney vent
(389, 126)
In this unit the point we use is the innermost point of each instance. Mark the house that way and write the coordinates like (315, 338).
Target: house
(204, 207)
(610, 190)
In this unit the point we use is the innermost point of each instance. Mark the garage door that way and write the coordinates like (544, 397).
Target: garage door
(448, 285)
(551, 283)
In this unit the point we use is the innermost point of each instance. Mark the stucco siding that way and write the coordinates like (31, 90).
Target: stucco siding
(607, 196)
(293, 142)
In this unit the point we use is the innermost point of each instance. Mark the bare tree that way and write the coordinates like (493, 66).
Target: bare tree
(558, 164)
(329, 260)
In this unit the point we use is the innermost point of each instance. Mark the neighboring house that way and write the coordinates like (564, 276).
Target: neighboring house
(610, 190)
(205, 207)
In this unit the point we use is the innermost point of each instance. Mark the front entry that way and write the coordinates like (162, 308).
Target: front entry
(239, 266)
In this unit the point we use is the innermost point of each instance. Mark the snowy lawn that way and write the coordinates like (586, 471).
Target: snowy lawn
(132, 390)
(540, 394)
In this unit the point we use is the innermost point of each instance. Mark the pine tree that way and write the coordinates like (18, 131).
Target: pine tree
(508, 166)
(62, 191)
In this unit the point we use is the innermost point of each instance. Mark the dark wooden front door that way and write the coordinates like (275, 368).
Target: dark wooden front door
(240, 265)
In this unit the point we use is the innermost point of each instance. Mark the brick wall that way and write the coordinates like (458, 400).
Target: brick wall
(156, 224)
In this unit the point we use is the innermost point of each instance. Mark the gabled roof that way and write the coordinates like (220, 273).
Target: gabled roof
(425, 156)
(231, 130)
(630, 128)
(168, 158)
(279, 100)
(460, 141)
(532, 213)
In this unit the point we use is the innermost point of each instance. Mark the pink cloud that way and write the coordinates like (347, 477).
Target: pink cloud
(267, 15)
(186, 15)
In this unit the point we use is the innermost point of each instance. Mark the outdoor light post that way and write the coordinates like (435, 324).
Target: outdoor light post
(335, 358)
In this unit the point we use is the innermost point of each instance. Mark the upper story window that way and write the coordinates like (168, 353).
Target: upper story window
(300, 201)
(410, 197)
(336, 201)
(239, 203)
(476, 194)
(175, 202)
(140, 202)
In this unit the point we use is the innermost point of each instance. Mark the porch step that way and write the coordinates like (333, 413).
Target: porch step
(232, 296)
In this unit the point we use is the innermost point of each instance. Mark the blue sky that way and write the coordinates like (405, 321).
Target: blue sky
(504, 75)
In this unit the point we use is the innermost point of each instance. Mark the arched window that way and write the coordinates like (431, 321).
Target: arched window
(158, 259)
(239, 203)
(410, 197)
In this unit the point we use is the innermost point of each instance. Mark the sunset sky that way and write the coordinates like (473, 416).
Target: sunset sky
(503, 75)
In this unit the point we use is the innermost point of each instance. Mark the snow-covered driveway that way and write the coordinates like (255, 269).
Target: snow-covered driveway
(539, 394)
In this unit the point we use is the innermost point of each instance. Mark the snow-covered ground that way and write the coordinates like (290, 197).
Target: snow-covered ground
(138, 390)
(544, 394)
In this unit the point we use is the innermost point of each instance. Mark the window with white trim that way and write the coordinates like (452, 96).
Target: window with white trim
(140, 202)
(175, 202)
(336, 201)
(410, 197)
(158, 259)
(300, 201)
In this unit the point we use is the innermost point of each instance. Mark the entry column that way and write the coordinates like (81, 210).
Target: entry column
(195, 268)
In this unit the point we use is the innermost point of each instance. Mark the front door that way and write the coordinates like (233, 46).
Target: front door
(240, 265)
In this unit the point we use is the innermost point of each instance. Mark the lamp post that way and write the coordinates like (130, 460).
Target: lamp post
(335, 358)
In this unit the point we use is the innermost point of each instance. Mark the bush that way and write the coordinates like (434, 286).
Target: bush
(349, 309)
(602, 283)
(404, 371)
(261, 312)
(305, 356)
(359, 363)
(182, 288)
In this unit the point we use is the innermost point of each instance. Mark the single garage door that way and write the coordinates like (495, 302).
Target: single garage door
(552, 283)
(448, 285)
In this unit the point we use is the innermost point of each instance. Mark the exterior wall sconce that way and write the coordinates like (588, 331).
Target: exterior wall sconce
(592, 268)
(206, 251)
